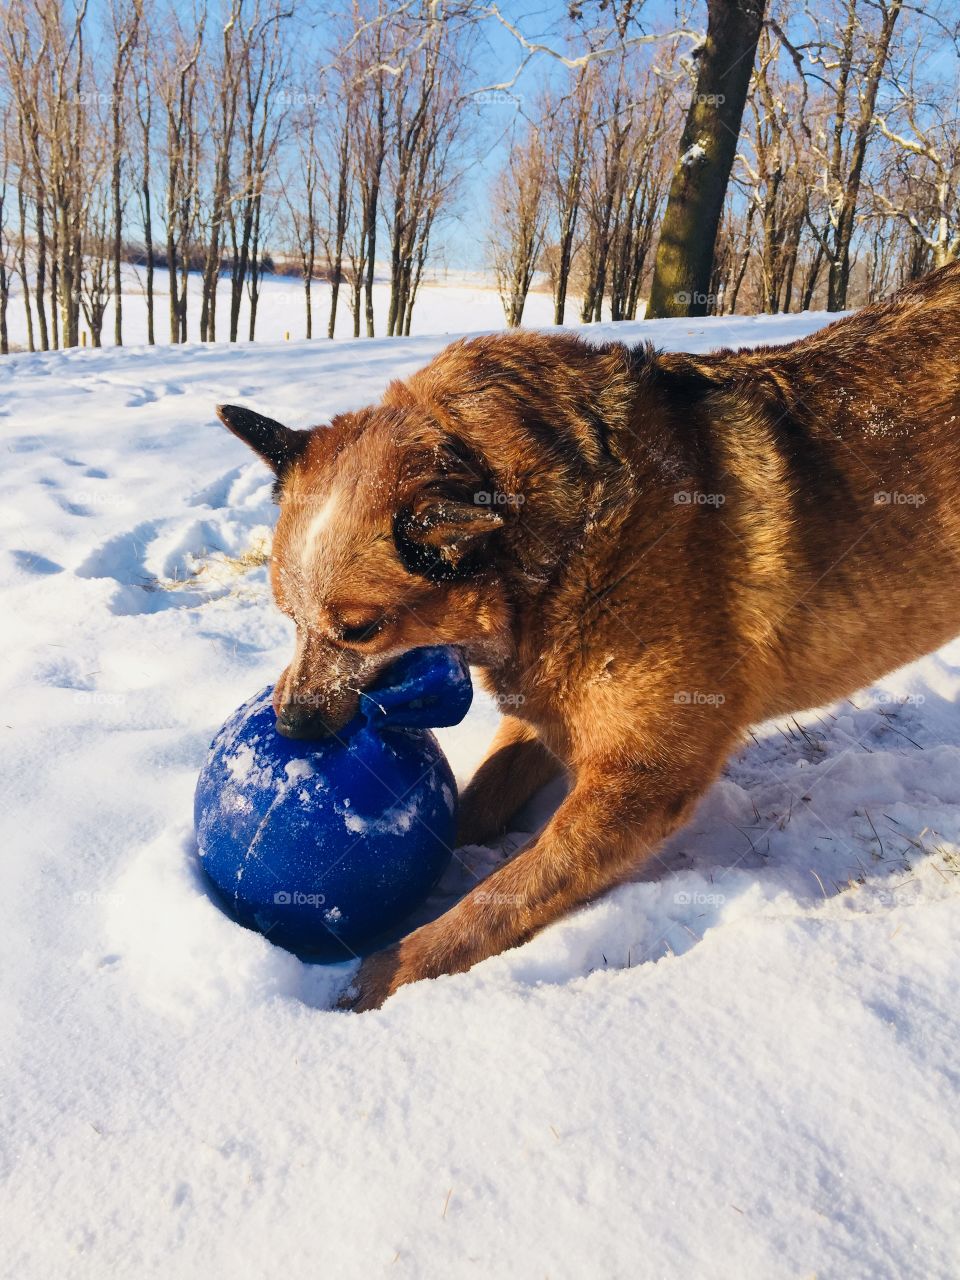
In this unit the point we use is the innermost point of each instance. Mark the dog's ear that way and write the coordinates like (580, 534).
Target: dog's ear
(277, 445)
(445, 536)
(446, 523)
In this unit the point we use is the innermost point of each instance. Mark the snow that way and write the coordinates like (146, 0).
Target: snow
(444, 300)
(694, 154)
(744, 1063)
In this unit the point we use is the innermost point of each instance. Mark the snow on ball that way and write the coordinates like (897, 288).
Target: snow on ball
(326, 845)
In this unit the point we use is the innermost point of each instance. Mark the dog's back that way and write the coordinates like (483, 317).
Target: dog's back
(839, 456)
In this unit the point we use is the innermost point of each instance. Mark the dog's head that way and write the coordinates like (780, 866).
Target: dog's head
(388, 539)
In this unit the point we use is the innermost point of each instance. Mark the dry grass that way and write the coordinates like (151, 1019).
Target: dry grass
(216, 569)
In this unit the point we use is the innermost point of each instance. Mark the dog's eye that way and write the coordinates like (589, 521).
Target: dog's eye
(365, 631)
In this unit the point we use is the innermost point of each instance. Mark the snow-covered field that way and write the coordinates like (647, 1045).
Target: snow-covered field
(446, 301)
(743, 1065)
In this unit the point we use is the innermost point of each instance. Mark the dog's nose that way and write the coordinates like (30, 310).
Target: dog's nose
(297, 721)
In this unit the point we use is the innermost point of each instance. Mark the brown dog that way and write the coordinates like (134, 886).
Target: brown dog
(644, 553)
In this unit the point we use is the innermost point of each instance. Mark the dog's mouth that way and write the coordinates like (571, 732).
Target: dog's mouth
(308, 719)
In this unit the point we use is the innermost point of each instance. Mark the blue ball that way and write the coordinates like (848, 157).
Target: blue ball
(326, 846)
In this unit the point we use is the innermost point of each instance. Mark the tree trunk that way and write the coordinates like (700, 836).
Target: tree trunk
(564, 260)
(172, 272)
(334, 297)
(681, 277)
(839, 278)
(117, 221)
(256, 269)
(368, 278)
(810, 284)
(343, 213)
(4, 276)
(54, 286)
(117, 253)
(792, 248)
(4, 298)
(146, 123)
(42, 275)
(148, 240)
(22, 258)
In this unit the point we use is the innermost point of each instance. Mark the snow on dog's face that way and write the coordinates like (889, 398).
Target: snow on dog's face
(381, 546)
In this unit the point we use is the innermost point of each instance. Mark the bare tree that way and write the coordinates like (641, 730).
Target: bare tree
(29, 61)
(774, 170)
(735, 248)
(126, 17)
(371, 49)
(921, 184)
(520, 218)
(258, 130)
(607, 177)
(643, 190)
(427, 114)
(178, 85)
(337, 184)
(63, 115)
(301, 195)
(22, 263)
(567, 122)
(143, 96)
(95, 280)
(222, 120)
(5, 247)
(849, 54)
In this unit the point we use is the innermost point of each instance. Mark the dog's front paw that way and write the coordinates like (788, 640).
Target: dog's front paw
(378, 977)
(428, 952)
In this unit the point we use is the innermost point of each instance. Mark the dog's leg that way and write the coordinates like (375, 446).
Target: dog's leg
(516, 766)
(614, 818)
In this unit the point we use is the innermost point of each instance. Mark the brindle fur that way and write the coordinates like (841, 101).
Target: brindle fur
(666, 549)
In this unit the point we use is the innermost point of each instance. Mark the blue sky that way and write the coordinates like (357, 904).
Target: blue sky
(498, 56)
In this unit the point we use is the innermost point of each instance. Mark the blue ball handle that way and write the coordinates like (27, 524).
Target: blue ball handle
(425, 688)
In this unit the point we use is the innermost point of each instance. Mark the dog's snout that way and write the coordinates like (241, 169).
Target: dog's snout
(317, 694)
(301, 722)
(300, 717)
(303, 715)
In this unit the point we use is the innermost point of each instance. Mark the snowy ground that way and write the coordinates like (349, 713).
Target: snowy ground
(446, 302)
(743, 1065)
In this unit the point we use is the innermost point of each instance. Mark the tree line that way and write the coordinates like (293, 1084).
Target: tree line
(841, 178)
(744, 155)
